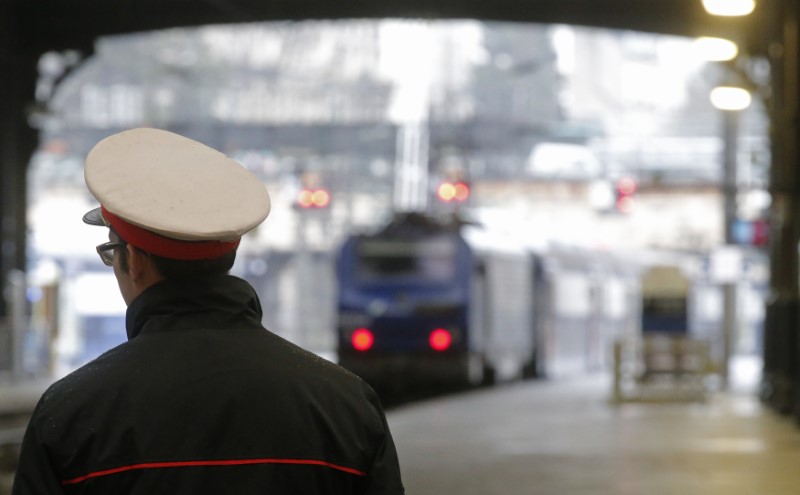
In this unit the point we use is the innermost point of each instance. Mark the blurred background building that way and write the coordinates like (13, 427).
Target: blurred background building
(541, 122)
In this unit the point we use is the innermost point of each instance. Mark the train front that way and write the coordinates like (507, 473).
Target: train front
(404, 306)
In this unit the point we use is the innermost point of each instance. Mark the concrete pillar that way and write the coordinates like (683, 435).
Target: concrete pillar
(781, 351)
(18, 72)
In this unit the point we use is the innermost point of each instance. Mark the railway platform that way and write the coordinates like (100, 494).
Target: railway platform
(570, 437)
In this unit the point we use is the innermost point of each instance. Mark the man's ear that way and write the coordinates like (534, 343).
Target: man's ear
(136, 262)
(142, 269)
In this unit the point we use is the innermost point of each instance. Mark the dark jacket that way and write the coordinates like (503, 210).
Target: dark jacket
(202, 399)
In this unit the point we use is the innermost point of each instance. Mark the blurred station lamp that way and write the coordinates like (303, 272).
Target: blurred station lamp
(453, 192)
(730, 98)
(730, 8)
(716, 49)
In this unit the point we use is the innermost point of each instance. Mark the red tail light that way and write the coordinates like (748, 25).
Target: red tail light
(440, 339)
(362, 339)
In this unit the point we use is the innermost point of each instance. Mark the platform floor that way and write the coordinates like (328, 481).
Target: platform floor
(566, 438)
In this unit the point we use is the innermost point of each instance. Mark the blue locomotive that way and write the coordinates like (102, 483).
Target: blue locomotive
(423, 299)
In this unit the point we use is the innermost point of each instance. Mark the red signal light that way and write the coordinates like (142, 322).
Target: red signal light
(305, 198)
(321, 198)
(440, 339)
(462, 191)
(362, 339)
(313, 198)
(446, 192)
(453, 191)
(626, 187)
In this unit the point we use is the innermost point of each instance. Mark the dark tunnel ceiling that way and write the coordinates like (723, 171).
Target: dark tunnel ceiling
(59, 24)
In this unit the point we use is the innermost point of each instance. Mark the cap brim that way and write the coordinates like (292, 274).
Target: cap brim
(95, 217)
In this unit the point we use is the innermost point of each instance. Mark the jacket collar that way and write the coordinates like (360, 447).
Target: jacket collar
(205, 301)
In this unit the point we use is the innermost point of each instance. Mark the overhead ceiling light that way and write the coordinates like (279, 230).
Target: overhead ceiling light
(729, 7)
(730, 98)
(716, 49)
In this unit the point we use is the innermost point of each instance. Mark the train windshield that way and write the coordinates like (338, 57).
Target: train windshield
(428, 259)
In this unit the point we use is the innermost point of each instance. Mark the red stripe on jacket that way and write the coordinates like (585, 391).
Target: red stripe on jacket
(229, 462)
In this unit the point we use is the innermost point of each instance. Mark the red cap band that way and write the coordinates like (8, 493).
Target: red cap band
(164, 246)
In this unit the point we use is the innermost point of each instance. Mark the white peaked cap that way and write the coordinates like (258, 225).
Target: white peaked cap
(174, 186)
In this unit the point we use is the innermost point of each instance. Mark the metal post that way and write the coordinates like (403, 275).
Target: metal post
(730, 143)
(302, 260)
(17, 288)
(411, 169)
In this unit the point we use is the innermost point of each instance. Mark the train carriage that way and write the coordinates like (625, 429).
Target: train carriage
(427, 301)
(584, 300)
